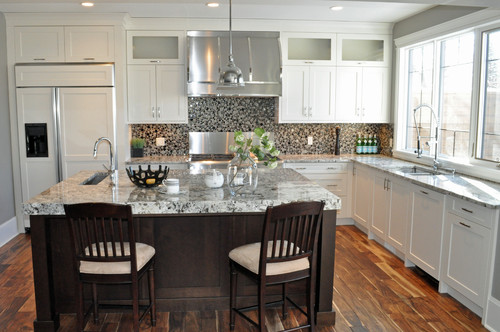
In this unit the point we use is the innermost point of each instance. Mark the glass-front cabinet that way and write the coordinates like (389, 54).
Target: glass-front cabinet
(308, 48)
(363, 50)
(155, 47)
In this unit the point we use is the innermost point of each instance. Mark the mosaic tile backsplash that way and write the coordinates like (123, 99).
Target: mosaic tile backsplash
(221, 114)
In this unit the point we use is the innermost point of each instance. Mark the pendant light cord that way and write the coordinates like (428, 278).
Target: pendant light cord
(230, 31)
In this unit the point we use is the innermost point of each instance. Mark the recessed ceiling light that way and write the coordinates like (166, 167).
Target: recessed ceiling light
(87, 4)
(335, 8)
(212, 4)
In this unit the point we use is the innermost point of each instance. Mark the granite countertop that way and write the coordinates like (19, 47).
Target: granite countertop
(157, 160)
(275, 187)
(478, 191)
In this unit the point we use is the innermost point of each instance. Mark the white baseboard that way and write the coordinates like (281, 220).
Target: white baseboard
(8, 230)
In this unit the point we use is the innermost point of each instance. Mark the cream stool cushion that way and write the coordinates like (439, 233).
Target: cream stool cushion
(144, 254)
(248, 256)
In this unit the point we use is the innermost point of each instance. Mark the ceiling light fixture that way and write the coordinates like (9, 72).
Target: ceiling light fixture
(336, 8)
(87, 4)
(212, 4)
(231, 76)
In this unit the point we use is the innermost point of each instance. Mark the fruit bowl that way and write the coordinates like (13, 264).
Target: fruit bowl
(147, 178)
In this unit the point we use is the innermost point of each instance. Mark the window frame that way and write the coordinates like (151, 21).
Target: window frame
(473, 166)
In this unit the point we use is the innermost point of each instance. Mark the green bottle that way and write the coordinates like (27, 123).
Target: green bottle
(364, 144)
(359, 144)
(369, 145)
(375, 144)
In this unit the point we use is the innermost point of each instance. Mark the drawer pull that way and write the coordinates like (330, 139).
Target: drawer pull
(332, 168)
(89, 59)
(332, 185)
(154, 61)
(39, 59)
(464, 224)
(424, 192)
(466, 210)
(301, 168)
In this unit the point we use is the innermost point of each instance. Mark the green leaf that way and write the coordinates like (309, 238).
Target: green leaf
(259, 131)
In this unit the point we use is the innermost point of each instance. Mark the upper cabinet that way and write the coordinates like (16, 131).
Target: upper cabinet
(363, 50)
(308, 48)
(155, 47)
(88, 44)
(64, 44)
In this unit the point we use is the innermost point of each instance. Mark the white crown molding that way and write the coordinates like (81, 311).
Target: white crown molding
(476, 19)
(41, 19)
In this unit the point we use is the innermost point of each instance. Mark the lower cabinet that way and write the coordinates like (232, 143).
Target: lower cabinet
(331, 176)
(467, 248)
(426, 229)
(362, 201)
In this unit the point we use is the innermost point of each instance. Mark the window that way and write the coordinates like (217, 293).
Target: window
(489, 115)
(440, 80)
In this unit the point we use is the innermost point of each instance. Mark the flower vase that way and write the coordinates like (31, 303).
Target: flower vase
(242, 175)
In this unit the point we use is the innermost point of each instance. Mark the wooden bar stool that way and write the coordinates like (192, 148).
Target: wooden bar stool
(286, 253)
(106, 252)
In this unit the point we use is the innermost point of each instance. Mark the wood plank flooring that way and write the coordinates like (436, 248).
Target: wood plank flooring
(373, 291)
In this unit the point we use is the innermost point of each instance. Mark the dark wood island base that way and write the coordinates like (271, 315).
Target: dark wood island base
(191, 269)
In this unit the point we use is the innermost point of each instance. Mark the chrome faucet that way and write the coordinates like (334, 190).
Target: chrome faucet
(435, 138)
(112, 168)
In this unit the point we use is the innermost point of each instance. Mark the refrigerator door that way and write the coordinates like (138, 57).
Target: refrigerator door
(85, 115)
(36, 106)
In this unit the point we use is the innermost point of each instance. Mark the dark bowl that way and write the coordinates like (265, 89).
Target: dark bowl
(147, 178)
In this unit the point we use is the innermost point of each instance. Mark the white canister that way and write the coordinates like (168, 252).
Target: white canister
(214, 179)
(172, 185)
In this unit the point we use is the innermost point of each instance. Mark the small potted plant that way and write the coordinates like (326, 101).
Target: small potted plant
(137, 147)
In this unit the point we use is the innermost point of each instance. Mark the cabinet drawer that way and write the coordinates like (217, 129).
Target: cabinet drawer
(307, 168)
(470, 211)
(337, 185)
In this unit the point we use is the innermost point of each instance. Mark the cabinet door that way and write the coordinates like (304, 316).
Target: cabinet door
(295, 103)
(466, 249)
(39, 44)
(155, 47)
(374, 94)
(363, 50)
(426, 230)
(398, 214)
(321, 94)
(362, 196)
(347, 103)
(308, 48)
(86, 114)
(141, 93)
(89, 44)
(380, 216)
(171, 99)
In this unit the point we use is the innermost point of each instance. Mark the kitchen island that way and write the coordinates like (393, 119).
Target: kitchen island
(192, 232)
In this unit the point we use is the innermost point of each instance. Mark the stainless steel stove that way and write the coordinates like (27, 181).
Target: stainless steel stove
(210, 150)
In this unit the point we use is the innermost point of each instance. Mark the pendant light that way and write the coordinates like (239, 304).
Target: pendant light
(231, 76)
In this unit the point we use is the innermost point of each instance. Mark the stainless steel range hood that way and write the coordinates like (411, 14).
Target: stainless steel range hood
(258, 54)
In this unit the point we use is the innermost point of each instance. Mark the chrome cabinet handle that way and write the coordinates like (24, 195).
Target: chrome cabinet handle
(466, 210)
(332, 185)
(304, 112)
(301, 168)
(424, 192)
(153, 111)
(154, 61)
(39, 59)
(89, 59)
(158, 112)
(385, 184)
(464, 224)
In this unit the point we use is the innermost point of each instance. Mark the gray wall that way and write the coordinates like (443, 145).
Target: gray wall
(6, 185)
(430, 18)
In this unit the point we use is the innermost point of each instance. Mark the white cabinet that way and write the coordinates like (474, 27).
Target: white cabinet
(156, 93)
(362, 201)
(89, 44)
(399, 213)
(362, 95)
(308, 48)
(426, 229)
(390, 210)
(39, 44)
(467, 248)
(363, 50)
(331, 176)
(155, 47)
(308, 94)
(64, 44)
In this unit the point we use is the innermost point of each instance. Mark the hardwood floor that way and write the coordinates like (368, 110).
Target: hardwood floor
(373, 291)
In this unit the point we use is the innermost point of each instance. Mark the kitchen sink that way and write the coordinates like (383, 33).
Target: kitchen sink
(95, 178)
(416, 170)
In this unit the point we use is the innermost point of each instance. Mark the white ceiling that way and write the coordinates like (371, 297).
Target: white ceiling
(354, 10)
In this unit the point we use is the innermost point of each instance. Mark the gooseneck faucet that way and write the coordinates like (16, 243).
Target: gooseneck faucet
(112, 168)
(436, 136)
